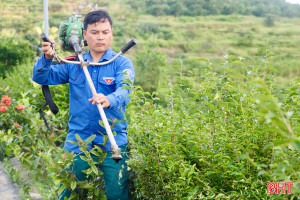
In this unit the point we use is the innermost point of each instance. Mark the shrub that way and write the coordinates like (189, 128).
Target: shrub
(147, 68)
(245, 39)
(13, 51)
(145, 29)
(269, 21)
(215, 140)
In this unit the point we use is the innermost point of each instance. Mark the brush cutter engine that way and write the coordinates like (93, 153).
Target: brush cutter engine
(70, 34)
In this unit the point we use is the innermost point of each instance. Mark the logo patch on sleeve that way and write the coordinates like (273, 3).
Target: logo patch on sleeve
(127, 72)
(108, 80)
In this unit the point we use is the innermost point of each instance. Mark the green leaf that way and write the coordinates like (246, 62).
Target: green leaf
(84, 158)
(73, 185)
(90, 139)
(237, 62)
(296, 144)
(72, 142)
(95, 153)
(88, 171)
(95, 170)
(87, 186)
(98, 148)
(57, 181)
(61, 189)
(78, 137)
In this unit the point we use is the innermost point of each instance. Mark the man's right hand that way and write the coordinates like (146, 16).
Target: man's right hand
(47, 49)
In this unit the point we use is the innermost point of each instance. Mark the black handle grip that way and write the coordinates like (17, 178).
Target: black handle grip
(46, 39)
(128, 45)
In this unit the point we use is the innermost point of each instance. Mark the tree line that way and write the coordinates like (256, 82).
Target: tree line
(259, 8)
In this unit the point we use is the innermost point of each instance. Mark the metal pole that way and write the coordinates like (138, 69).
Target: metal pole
(46, 23)
(114, 147)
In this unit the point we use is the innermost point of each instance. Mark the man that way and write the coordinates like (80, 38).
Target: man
(84, 115)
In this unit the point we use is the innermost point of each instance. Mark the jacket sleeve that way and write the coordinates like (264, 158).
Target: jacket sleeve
(124, 70)
(46, 74)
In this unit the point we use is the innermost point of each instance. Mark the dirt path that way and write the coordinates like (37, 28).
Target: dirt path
(8, 191)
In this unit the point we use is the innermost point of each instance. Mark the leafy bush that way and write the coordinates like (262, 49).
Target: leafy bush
(12, 51)
(269, 21)
(148, 65)
(145, 29)
(219, 139)
(24, 136)
(245, 39)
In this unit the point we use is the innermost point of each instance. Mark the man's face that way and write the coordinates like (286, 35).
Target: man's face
(98, 36)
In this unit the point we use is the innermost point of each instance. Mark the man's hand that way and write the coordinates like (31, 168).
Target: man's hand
(47, 49)
(100, 98)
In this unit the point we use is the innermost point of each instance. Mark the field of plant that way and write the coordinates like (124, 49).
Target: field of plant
(214, 114)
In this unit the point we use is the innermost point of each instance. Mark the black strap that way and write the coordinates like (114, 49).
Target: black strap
(49, 101)
(43, 117)
(48, 98)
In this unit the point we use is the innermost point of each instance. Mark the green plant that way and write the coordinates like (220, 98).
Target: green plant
(215, 139)
(245, 39)
(13, 51)
(148, 68)
(269, 20)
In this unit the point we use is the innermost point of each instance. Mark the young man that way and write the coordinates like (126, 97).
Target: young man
(83, 113)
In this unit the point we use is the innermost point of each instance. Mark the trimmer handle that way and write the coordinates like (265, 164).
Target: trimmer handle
(46, 39)
(128, 45)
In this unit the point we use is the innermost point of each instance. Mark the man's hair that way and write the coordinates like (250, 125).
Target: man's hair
(96, 16)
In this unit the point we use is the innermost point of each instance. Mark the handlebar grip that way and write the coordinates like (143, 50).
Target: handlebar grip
(46, 39)
(128, 45)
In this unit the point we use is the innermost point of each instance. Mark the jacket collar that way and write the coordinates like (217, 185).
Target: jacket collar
(109, 54)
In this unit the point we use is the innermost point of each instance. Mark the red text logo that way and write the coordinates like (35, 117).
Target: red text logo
(273, 188)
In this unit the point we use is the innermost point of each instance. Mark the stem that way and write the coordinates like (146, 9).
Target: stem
(288, 126)
(172, 99)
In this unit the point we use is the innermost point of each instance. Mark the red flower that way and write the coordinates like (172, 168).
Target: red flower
(5, 100)
(20, 107)
(17, 125)
(3, 108)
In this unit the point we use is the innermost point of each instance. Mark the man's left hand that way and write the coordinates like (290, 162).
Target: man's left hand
(100, 98)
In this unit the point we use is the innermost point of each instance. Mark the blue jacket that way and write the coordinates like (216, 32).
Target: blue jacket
(83, 116)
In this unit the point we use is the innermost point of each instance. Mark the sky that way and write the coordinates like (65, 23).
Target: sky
(293, 1)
